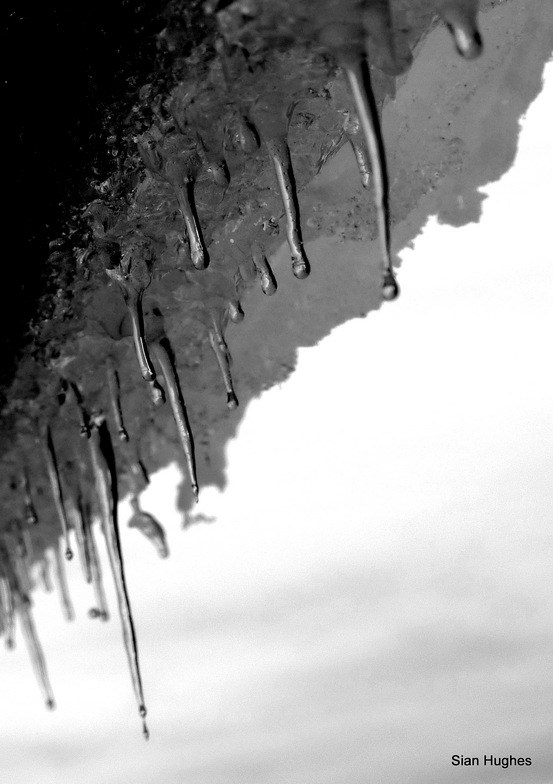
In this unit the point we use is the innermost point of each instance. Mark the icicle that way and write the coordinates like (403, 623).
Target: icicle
(177, 167)
(268, 282)
(178, 407)
(280, 154)
(31, 517)
(460, 19)
(22, 568)
(6, 601)
(83, 415)
(101, 611)
(132, 294)
(359, 80)
(113, 386)
(35, 651)
(44, 574)
(221, 354)
(61, 579)
(150, 527)
(198, 253)
(103, 464)
(79, 525)
(10, 589)
(55, 484)
(362, 162)
(134, 305)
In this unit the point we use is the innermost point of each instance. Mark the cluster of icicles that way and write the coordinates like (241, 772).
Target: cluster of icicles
(17, 558)
(15, 583)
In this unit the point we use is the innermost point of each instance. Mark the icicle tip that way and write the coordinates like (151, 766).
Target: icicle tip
(232, 401)
(390, 288)
(301, 268)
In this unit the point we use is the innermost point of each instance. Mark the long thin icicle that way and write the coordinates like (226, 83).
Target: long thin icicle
(357, 73)
(21, 566)
(115, 400)
(55, 484)
(6, 600)
(79, 525)
(184, 198)
(178, 407)
(10, 590)
(221, 354)
(134, 305)
(101, 610)
(44, 574)
(36, 653)
(105, 477)
(63, 586)
(83, 415)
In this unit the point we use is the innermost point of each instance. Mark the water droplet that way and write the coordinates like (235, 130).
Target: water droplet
(390, 288)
